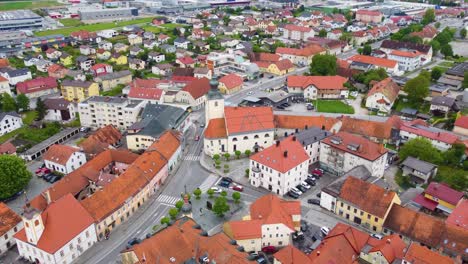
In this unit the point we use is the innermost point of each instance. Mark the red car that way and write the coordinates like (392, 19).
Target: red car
(269, 249)
(317, 172)
(238, 188)
(197, 138)
(41, 171)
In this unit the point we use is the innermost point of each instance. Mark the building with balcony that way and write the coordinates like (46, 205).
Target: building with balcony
(77, 91)
(419, 171)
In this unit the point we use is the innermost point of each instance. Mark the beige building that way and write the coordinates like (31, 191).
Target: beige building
(111, 80)
(461, 125)
(11, 223)
(77, 91)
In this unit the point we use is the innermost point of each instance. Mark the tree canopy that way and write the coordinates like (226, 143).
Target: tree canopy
(41, 108)
(436, 73)
(367, 50)
(22, 102)
(14, 175)
(323, 65)
(429, 16)
(422, 149)
(418, 87)
(8, 103)
(322, 33)
(446, 50)
(221, 206)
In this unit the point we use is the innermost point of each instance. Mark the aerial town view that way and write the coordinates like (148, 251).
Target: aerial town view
(234, 131)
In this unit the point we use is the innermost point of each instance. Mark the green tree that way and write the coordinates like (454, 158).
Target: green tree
(221, 206)
(322, 33)
(463, 33)
(165, 220)
(14, 175)
(435, 46)
(22, 101)
(422, 149)
(179, 204)
(247, 152)
(197, 192)
(446, 50)
(227, 155)
(323, 65)
(236, 196)
(216, 156)
(8, 103)
(413, 39)
(436, 73)
(417, 88)
(437, 25)
(223, 193)
(454, 155)
(226, 20)
(429, 16)
(40, 108)
(210, 193)
(238, 153)
(173, 212)
(465, 80)
(444, 37)
(367, 50)
(247, 171)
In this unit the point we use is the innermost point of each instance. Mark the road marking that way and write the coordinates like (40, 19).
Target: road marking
(208, 182)
(166, 199)
(192, 157)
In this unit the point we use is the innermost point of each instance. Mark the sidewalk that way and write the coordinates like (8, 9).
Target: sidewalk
(237, 168)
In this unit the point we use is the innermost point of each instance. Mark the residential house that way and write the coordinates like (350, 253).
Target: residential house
(382, 95)
(369, 16)
(154, 248)
(156, 56)
(230, 83)
(162, 39)
(335, 34)
(16, 76)
(7, 148)
(147, 89)
(390, 66)
(443, 105)
(461, 125)
(107, 33)
(280, 68)
(194, 93)
(150, 43)
(202, 73)
(419, 171)
(38, 87)
(134, 39)
(135, 50)
(111, 80)
(186, 62)
(295, 32)
(228, 42)
(77, 91)
(102, 54)
(59, 109)
(149, 35)
(313, 87)
(439, 197)
(63, 158)
(83, 36)
(425, 51)
(163, 69)
(181, 42)
(104, 138)
(105, 45)
(271, 222)
(11, 224)
(4, 86)
(300, 56)
(355, 202)
(120, 48)
(418, 128)
(58, 234)
(57, 71)
(77, 75)
(119, 59)
(407, 60)
(101, 69)
(458, 217)
(420, 254)
(53, 54)
(87, 50)
(280, 167)
(310, 139)
(136, 64)
(66, 59)
(84, 63)
(344, 151)
(426, 34)
(360, 37)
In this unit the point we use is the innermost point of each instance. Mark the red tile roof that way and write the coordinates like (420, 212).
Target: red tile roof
(146, 83)
(231, 80)
(459, 215)
(63, 220)
(360, 193)
(368, 128)
(7, 148)
(291, 255)
(295, 121)
(292, 27)
(248, 119)
(307, 51)
(4, 63)
(368, 12)
(417, 254)
(367, 149)
(284, 64)
(60, 154)
(387, 87)
(36, 85)
(100, 140)
(198, 87)
(462, 122)
(321, 82)
(3, 79)
(380, 62)
(412, 127)
(408, 54)
(216, 129)
(282, 157)
(392, 247)
(186, 60)
(8, 219)
(444, 193)
(145, 93)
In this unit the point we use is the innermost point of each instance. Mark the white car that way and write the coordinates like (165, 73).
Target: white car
(305, 185)
(379, 237)
(250, 93)
(325, 230)
(354, 94)
(296, 190)
(216, 189)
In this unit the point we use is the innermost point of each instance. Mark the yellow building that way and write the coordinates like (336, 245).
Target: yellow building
(281, 67)
(230, 83)
(364, 203)
(119, 59)
(78, 91)
(441, 197)
(66, 59)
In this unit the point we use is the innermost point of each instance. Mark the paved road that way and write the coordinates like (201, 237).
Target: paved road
(309, 113)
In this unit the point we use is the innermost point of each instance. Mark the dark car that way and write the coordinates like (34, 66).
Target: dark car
(54, 179)
(301, 188)
(319, 195)
(287, 104)
(269, 249)
(224, 184)
(226, 179)
(47, 176)
(280, 107)
(134, 241)
(314, 201)
(293, 195)
(310, 182)
(261, 260)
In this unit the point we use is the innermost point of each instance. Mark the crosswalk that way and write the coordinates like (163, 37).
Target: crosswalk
(192, 157)
(169, 200)
(208, 182)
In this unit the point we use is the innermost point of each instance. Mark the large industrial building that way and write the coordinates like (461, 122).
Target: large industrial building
(19, 19)
(108, 14)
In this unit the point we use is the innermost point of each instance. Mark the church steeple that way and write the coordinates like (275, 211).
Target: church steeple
(214, 93)
(215, 103)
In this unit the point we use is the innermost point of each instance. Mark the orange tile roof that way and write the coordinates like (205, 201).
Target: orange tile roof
(248, 119)
(216, 129)
(274, 156)
(294, 121)
(417, 254)
(167, 144)
(409, 54)
(100, 140)
(367, 149)
(292, 27)
(4, 63)
(7, 148)
(459, 215)
(59, 154)
(284, 64)
(368, 12)
(368, 128)
(231, 81)
(8, 219)
(241, 230)
(321, 82)
(380, 62)
(291, 255)
(198, 87)
(360, 193)
(307, 51)
(181, 241)
(392, 247)
(263, 56)
(3, 79)
(109, 199)
(63, 220)
(386, 87)
(77, 180)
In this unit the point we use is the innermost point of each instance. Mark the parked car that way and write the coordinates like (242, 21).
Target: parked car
(325, 230)
(253, 255)
(295, 191)
(54, 179)
(318, 195)
(317, 172)
(305, 185)
(310, 107)
(314, 201)
(202, 125)
(227, 179)
(311, 177)
(310, 182)
(377, 236)
(224, 184)
(280, 107)
(269, 249)
(261, 260)
(238, 188)
(85, 129)
(133, 241)
(216, 189)
(197, 137)
(47, 176)
(298, 235)
(293, 195)
(301, 188)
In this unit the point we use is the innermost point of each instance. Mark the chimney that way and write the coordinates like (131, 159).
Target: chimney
(285, 154)
(285, 134)
(297, 130)
(277, 143)
(318, 253)
(388, 241)
(294, 138)
(306, 127)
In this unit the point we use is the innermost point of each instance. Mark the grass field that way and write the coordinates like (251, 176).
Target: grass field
(94, 27)
(153, 29)
(4, 5)
(423, 108)
(29, 117)
(333, 106)
(70, 22)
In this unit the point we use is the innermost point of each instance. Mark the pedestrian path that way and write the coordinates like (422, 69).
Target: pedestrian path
(208, 182)
(192, 157)
(166, 199)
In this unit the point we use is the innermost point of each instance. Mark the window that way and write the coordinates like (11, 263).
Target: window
(234, 139)
(267, 135)
(355, 210)
(368, 216)
(374, 228)
(376, 219)
(256, 136)
(61, 253)
(246, 138)
(349, 207)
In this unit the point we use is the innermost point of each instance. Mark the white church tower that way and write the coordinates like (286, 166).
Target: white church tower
(215, 104)
(33, 224)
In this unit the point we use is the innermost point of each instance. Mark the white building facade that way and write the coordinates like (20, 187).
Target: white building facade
(9, 122)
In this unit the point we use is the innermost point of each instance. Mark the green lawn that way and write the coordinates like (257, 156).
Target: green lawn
(4, 6)
(446, 64)
(423, 108)
(153, 29)
(70, 22)
(33, 135)
(28, 117)
(94, 27)
(171, 25)
(333, 106)
(114, 92)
